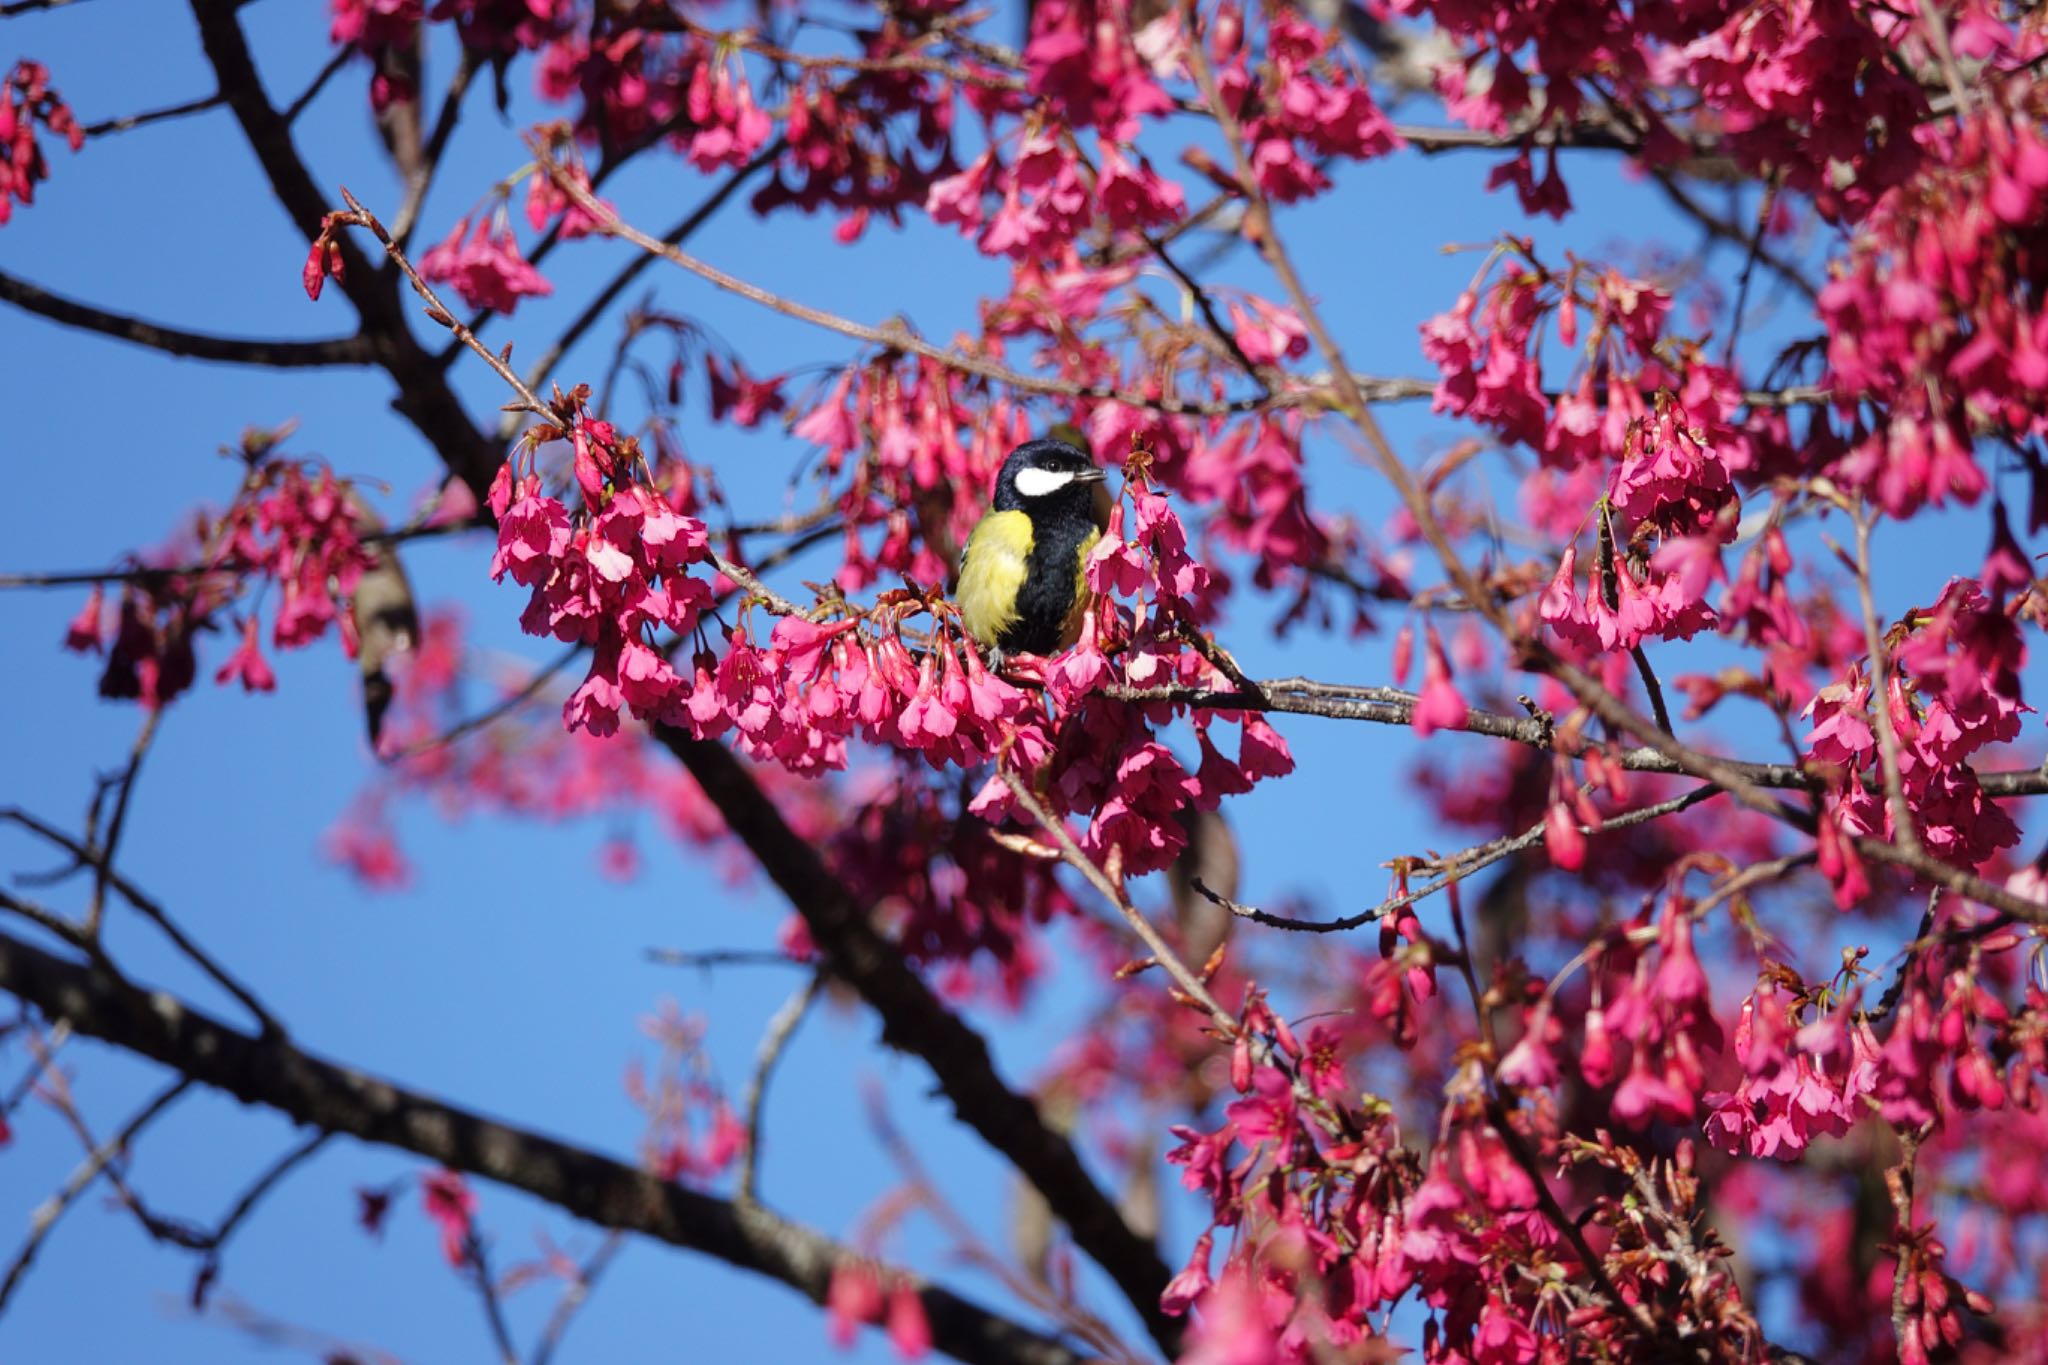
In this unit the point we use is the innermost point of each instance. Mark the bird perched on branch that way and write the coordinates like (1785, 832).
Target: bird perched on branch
(1021, 585)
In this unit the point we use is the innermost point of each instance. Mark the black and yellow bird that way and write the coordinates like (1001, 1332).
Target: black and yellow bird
(1021, 589)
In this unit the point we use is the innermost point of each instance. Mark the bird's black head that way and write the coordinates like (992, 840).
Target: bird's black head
(1046, 475)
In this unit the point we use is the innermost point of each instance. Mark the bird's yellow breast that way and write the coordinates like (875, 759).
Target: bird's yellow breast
(992, 573)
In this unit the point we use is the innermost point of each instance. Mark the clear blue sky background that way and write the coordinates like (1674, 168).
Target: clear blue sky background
(510, 976)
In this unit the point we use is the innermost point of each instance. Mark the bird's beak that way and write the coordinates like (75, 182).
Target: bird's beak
(1091, 476)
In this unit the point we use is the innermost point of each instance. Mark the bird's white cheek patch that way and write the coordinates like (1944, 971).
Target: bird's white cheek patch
(1037, 483)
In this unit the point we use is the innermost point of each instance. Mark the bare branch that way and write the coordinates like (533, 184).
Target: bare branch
(1396, 706)
(423, 394)
(319, 83)
(1457, 867)
(723, 957)
(574, 1297)
(103, 855)
(915, 1020)
(128, 121)
(144, 573)
(479, 1267)
(100, 863)
(781, 1027)
(1720, 229)
(274, 352)
(1162, 952)
(97, 1159)
(272, 1073)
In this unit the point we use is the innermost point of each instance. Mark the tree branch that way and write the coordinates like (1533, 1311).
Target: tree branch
(915, 1020)
(128, 121)
(97, 1159)
(276, 1075)
(276, 352)
(1396, 706)
(423, 395)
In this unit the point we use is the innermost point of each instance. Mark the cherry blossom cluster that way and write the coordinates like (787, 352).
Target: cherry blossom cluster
(1793, 90)
(1957, 692)
(1643, 448)
(294, 528)
(1331, 1219)
(1937, 330)
(1049, 195)
(385, 30)
(862, 1294)
(27, 99)
(692, 1133)
(484, 265)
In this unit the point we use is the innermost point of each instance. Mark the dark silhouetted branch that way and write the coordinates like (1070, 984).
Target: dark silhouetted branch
(916, 1021)
(276, 1075)
(282, 354)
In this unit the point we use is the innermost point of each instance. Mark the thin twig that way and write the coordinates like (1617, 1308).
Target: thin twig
(45, 1057)
(1721, 229)
(1162, 952)
(723, 957)
(128, 121)
(491, 715)
(101, 864)
(145, 573)
(265, 351)
(261, 1186)
(103, 855)
(1903, 829)
(1907, 958)
(1654, 688)
(97, 1159)
(1749, 260)
(574, 1296)
(487, 1290)
(312, 92)
(684, 229)
(422, 178)
(1457, 867)
(438, 311)
(782, 1026)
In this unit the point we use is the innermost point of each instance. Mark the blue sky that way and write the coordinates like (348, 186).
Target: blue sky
(510, 976)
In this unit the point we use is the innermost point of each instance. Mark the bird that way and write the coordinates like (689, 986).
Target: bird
(1021, 588)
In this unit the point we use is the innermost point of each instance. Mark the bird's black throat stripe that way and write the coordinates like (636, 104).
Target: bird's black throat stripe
(1052, 573)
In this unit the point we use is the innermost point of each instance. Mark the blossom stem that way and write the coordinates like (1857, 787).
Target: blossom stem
(1880, 692)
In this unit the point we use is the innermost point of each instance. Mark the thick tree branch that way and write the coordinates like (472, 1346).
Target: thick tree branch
(272, 1073)
(277, 352)
(423, 395)
(916, 1021)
